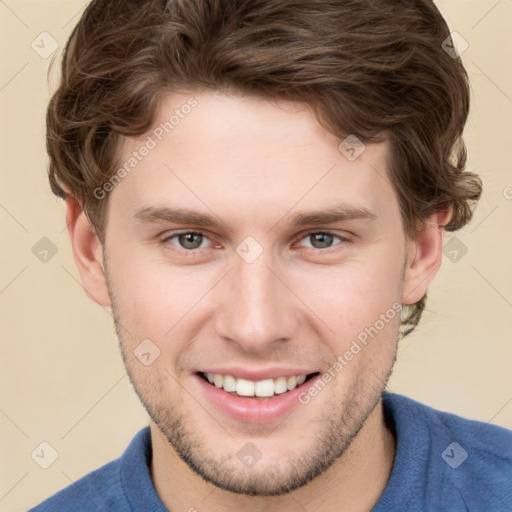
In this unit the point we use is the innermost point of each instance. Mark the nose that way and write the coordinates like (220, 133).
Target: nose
(257, 310)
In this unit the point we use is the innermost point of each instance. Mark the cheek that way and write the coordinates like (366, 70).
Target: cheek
(156, 300)
(349, 298)
(140, 298)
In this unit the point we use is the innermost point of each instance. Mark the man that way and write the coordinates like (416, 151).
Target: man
(259, 191)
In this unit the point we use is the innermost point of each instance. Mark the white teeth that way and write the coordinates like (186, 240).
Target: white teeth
(218, 379)
(280, 385)
(229, 383)
(291, 383)
(244, 387)
(262, 388)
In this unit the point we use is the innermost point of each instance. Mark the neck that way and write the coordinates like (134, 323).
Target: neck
(354, 482)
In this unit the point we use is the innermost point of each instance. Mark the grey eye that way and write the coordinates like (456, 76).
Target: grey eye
(320, 240)
(189, 240)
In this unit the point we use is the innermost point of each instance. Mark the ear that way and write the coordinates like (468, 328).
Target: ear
(88, 253)
(424, 256)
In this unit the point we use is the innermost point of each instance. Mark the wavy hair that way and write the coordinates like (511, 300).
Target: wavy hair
(373, 68)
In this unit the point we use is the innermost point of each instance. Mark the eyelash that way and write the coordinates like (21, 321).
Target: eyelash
(167, 241)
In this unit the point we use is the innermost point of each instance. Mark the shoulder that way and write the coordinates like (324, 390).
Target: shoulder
(484, 441)
(98, 490)
(106, 487)
(465, 461)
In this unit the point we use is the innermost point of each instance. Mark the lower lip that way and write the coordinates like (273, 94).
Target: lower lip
(252, 409)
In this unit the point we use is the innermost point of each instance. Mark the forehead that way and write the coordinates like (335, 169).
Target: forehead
(246, 156)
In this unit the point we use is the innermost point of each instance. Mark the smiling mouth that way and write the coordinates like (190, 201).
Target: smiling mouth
(266, 388)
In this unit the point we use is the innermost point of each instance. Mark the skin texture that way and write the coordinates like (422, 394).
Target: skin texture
(253, 164)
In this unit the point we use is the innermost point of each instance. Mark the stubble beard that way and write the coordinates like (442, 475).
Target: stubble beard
(336, 428)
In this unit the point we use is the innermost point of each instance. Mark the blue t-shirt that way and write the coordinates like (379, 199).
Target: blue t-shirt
(443, 463)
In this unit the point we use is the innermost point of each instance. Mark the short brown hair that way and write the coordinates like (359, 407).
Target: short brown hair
(372, 68)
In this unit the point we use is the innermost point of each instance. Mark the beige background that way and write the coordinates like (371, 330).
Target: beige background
(62, 378)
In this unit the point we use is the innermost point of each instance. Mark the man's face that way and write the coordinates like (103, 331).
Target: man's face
(255, 295)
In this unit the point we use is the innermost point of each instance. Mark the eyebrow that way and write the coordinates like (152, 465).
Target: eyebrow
(339, 213)
(151, 214)
(335, 214)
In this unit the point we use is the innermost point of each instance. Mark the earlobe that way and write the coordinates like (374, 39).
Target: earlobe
(424, 257)
(88, 253)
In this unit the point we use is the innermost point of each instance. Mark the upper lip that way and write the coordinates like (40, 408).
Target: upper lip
(258, 374)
